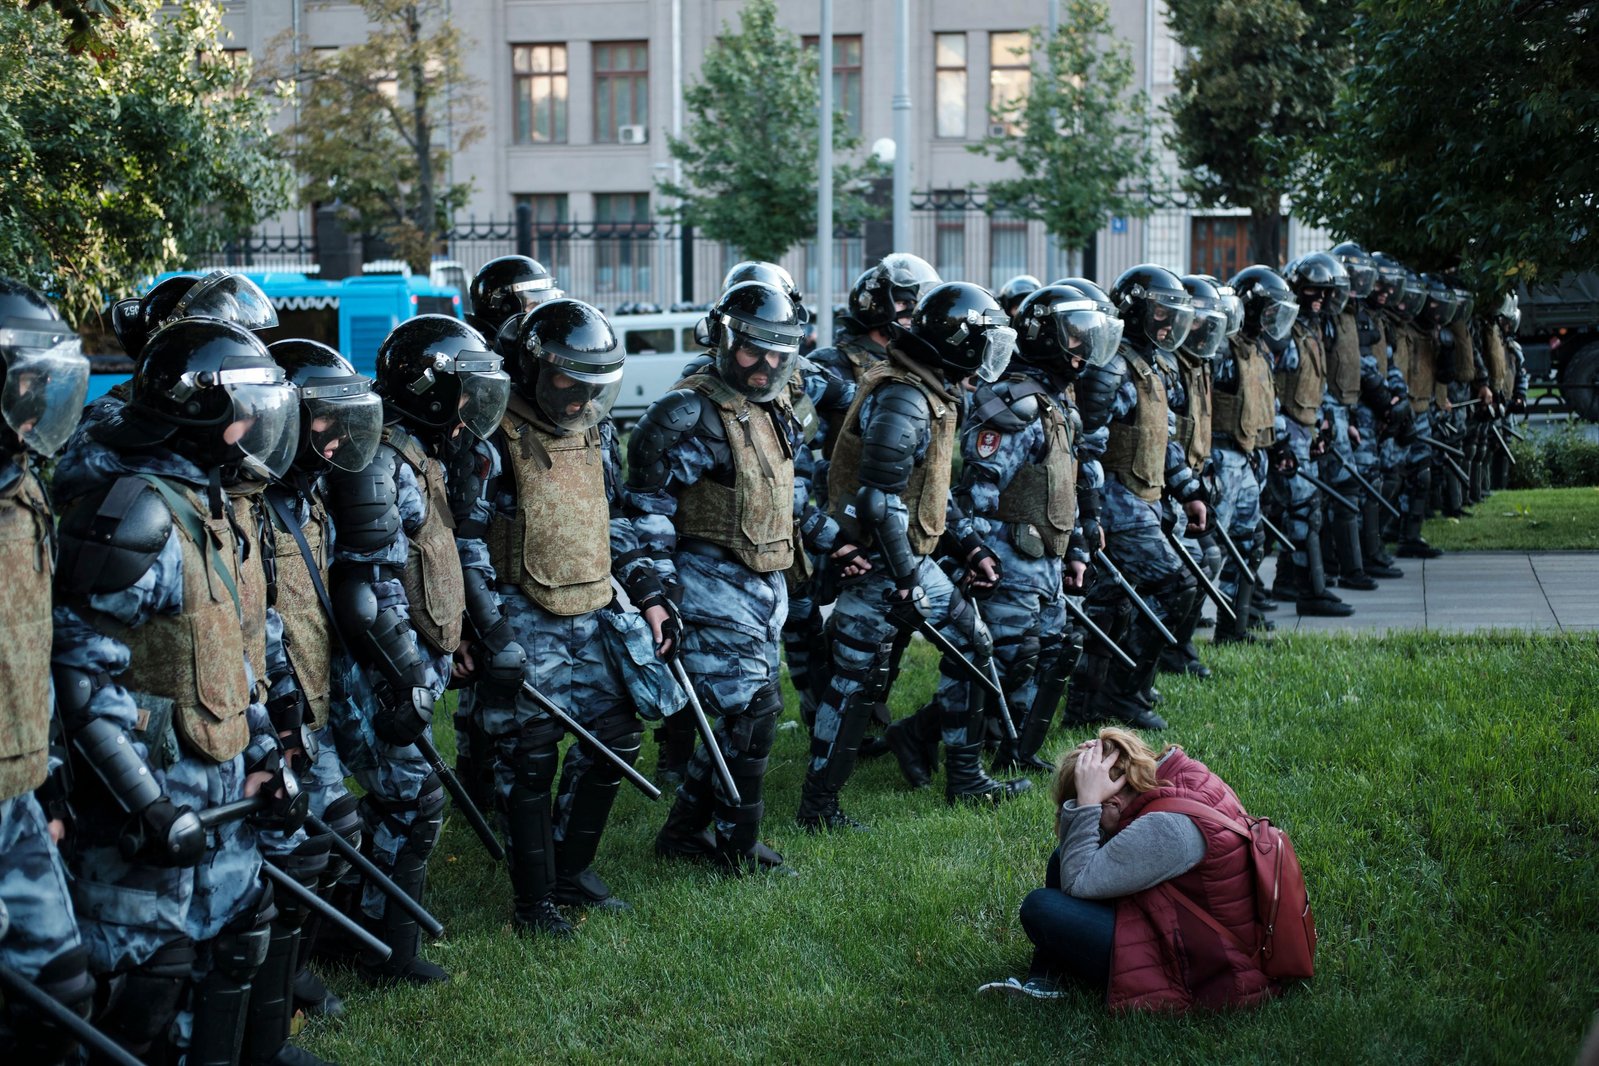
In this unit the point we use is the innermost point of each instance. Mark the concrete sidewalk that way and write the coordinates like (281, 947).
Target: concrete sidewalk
(1465, 591)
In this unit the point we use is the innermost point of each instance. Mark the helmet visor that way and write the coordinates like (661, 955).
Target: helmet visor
(1209, 330)
(1468, 304)
(575, 402)
(1084, 331)
(342, 427)
(1338, 295)
(1278, 316)
(263, 426)
(759, 369)
(230, 298)
(1362, 277)
(47, 378)
(1389, 286)
(484, 394)
(1167, 319)
(529, 294)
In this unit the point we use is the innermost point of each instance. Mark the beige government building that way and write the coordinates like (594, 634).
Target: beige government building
(578, 95)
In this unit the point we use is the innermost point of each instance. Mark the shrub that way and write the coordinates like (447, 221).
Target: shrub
(1563, 457)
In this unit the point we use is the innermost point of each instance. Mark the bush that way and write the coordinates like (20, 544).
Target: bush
(1562, 458)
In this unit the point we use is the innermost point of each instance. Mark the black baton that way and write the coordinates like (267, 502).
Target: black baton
(1199, 574)
(377, 877)
(463, 802)
(1132, 594)
(570, 724)
(703, 724)
(905, 616)
(19, 986)
(287, 884)
(1097, 633)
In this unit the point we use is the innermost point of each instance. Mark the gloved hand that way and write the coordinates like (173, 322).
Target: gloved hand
(164, 834)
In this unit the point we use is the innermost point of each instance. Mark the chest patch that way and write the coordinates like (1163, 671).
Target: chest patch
(987, 443)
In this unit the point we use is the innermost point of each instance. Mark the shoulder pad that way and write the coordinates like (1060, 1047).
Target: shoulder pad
(999, 407)
(111, 537)
(695, 365)
(902, 399)
(365, 504)
(680, 414)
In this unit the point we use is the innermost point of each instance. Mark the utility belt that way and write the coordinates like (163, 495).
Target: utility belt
(705, 549)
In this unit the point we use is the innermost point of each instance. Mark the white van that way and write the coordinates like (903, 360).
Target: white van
(658, 346)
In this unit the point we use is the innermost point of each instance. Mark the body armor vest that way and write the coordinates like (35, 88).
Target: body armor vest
(1497, 360)
(1300, 390)
(926, 494)
(1415, 354)
(1136, 452)
(196, 659)
(432, 578)
(557, 547)
(1194, 425)
(1465, 352)
(1343, 360)
(307, 632)
(754, 518)
(1247, 415)
(1043, 495)
(25, 631)
(249, 511)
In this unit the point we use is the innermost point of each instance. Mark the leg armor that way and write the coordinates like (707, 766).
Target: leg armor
(588, 789)
(223, 994)
(66, 980)
(343, 816)
(474, 756)
(530, 828)
(1057, 656)
(674, 746)
(272, 996)
(832, 761)
(409, 870)
(140, 1015)
(746, 742)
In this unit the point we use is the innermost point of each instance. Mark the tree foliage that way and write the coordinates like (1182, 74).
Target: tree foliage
(750, 153)
(122, 158)
(1083, 147)
(1260, 75)
(380, 121)
(1467, 134)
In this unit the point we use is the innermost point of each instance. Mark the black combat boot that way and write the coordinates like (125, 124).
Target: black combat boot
(530, 836)
(1352, 572)
(964, 778)
(1315, 600)
(914, 742)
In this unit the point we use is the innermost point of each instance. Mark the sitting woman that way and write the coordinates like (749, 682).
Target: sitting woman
(1123, 888)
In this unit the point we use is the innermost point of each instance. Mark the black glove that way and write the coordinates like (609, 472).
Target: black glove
(672, 626)
(1282, 457)
(164, 834)
(402, 716)
(906, 611)
(500, 673)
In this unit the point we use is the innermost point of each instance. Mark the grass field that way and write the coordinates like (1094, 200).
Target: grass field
(1442, 793)
(1523, 520)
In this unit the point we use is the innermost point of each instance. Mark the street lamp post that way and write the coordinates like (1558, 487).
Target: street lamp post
(824, 198)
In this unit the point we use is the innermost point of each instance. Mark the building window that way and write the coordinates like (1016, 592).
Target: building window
(949, 84)
(621, 89)
(1007, 248)
(950, 212)
(551, 234)
(1010, 76)
(622, 245)
(846, 78)
(539, 83)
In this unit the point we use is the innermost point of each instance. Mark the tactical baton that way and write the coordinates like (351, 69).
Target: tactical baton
(1097, 633)
(1500, 437)
(1199, 575)
(286, 884)
(902, 614)
(703, 724)
(1464, 403)
(1332, 494)
(1282, 538)
(1447, 449)
(463, 802)
(1454, 468)
(1512, 431)
(377, 877)
(1244, 572)
(1132, 594)
(23, 989)
(551, 708)
(993, 675)
(223, 813)
(1369, 487)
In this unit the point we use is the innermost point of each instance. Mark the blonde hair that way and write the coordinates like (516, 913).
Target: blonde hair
(1135, 761)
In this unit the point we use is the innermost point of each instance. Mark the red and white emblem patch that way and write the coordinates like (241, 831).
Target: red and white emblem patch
(987, 442)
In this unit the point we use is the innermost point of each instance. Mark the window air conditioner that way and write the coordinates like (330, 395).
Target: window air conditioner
(998, 129)
(631, 134)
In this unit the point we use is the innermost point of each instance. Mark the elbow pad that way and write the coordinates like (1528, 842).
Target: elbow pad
(379, 639)
(484, 612)
(108, 540)
(669, 420)
(889, 533)
(109, 752)
(888, 442)
(365, 505)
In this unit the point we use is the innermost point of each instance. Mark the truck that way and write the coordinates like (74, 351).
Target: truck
(1559, 337)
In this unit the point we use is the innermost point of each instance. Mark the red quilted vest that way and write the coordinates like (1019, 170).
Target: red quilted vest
(1165, 958)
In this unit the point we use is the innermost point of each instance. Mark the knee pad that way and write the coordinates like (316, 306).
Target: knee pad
(752, 733)
(144, 1000)
(621, 731)
(424, 833)
(239, 950)
(342, 816)
(307, 864)
(66, 980)
(536, 755)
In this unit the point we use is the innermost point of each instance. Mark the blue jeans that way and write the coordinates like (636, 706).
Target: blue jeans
(1071, 937)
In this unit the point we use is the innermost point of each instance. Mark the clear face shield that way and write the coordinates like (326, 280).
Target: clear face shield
(47, 378)
(485, 390)
(228, 297)
(343, 423)
(1233, 308)
(1362, 276)
(1167, 319)
(263, 426)
(529, 294)
(1389, 288)
(575, 400)
(757, 358)
(1337, 297)
(1468, 304)
(1205, 339)
(1278, 316)
(1085, 332)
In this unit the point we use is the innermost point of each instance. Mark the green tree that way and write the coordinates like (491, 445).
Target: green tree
(1466, 134)
(1083, 136)
(124, 159)
(380, 121)
(750, 154)
(1259, 76)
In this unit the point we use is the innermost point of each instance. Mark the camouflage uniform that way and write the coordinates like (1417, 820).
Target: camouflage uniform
(1246, 412)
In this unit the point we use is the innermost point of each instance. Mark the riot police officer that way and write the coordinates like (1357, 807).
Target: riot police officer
(883, 295)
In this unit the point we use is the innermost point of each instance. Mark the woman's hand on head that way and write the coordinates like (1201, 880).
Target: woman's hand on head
(1094, 784)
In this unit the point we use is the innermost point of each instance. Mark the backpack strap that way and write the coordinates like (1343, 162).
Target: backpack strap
(1177, 894)
(1195, 809)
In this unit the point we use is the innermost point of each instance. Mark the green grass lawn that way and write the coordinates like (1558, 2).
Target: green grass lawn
(1523, 520)
(1442, 793)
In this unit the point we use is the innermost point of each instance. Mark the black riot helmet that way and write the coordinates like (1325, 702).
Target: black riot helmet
(755, 332)
(436, 372)
(1013, 292)
(1059, 326)
(506, 287)
(570, 364)
(1441, 301)
(1153, 303)
(1388, 290)
(1360, 266)
(959, 329)
(1319, 278)
(772, 274)
(1269, 304)
(1466, 300)
(226, 402)
(1101, 297)
(43, 374)
(341, 418)
(134, 319)
(1209, 331)
(889, 291)
(1415, 296)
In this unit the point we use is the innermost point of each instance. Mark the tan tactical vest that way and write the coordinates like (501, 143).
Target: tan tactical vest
(861, 355)
(196, 659)
(1343, 360)
(1465, 352)
(249, 507)
(926, 495)
(754, 519)
(1042, 498)
(432, 578)
(1416, 356)
(307, 633)
(557, 549)
(1247, 415)
(24, 636)
(1193, 428)
(1300, 390)
(1497, 359)
(1136, 452)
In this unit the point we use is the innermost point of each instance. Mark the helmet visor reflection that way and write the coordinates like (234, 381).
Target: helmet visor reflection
(1167, 320)
(44, 391)
(1362, 277)
(230, 298)
(759, 369)
(1277, 317)
(1084, 331)
(264, 425)
(572, 403)
(344, 430)
(1209, 330)
(484, 394)
(999, 344)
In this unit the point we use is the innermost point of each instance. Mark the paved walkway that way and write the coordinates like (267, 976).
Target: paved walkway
(1465, 591)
